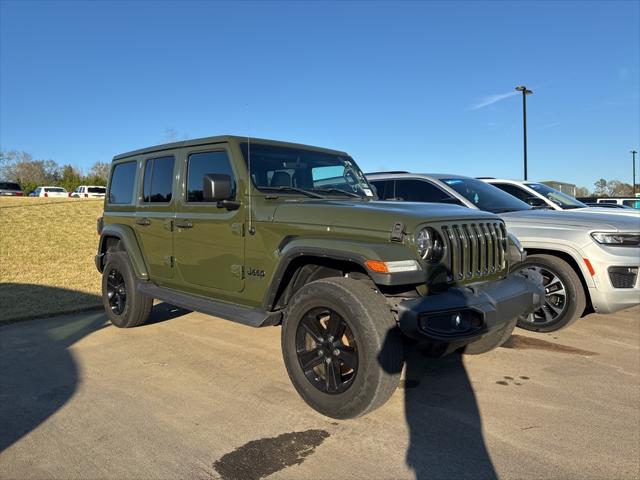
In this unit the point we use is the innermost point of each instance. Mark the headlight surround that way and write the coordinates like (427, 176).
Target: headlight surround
(515, 250)
(618, 239)
(429, 244)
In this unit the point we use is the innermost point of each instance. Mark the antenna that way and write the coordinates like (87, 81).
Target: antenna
(252, 230)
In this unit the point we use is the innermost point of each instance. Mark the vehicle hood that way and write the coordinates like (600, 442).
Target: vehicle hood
(578, 219)
(372, 215)
(610, 211)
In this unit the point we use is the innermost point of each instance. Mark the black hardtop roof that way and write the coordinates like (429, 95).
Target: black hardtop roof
(220, 139)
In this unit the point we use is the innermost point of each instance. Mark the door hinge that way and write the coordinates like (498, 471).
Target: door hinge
(168, 224)
(237, 229)
(237, 271)
(169, 261)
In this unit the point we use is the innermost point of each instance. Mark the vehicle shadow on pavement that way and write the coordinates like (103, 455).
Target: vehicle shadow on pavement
(445, 428)
(39, 373)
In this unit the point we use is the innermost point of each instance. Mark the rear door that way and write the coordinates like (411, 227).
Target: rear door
(155, 215)
(208, 240)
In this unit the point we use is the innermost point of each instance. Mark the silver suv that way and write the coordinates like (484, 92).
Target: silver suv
(589, 261)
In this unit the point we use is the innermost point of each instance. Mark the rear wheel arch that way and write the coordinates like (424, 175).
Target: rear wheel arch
(122, 238)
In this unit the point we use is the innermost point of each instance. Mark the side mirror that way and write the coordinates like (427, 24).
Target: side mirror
(536, 202)
(216, 187)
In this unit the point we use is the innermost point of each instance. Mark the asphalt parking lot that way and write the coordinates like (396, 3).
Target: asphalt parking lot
(192, 396)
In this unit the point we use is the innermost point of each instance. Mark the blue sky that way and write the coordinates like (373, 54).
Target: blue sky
(422, 86)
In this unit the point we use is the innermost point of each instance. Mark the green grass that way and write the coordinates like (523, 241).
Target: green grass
(47, 248)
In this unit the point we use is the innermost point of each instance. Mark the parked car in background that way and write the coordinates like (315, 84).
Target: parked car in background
(10, 189)
(89, 191)
(539, 195)
(624, 201)
(608, 205)
(49, 192)
(589, 261)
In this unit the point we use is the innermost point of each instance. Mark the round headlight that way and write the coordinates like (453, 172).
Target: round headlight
(429, 244)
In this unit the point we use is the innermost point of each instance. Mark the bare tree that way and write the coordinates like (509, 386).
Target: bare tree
(582, 192)
(99, 172)
(601, 187)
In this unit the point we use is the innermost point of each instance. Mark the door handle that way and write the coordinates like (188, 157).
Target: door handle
(183, 224)
(143, 221)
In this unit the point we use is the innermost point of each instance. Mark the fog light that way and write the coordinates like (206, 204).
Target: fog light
(451, 323)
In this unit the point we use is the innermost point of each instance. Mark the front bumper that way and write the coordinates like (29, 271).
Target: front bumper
(465, 314)
(605, 296)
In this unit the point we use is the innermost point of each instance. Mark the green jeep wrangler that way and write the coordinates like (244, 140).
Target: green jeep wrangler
(271, 233)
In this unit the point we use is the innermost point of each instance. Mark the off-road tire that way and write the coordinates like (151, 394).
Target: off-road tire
(378, 340)
(576, 299)
(491, 341)
(137, 306)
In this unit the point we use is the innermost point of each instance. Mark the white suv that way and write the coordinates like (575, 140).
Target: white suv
(539, 195)
(49, 192)
(89, 191)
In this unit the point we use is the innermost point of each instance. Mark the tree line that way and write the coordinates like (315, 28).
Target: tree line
(22, 168)
(613, 188)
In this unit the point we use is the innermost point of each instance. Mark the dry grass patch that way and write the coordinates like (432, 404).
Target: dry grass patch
(47, 248)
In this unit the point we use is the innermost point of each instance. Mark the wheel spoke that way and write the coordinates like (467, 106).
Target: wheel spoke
(548, 316)
(347, 357)
(333, 376)
(553, 281)
(557, 310)
(336, 326)
(310, 359)
(312, 326)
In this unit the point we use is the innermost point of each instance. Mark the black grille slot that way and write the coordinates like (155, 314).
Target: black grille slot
(623, 277)
(475, 250)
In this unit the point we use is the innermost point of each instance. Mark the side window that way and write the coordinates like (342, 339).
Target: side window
(514, 190)
(121, 184)
(384, 188)
(420, 191)
(158, 180)
(202, 163)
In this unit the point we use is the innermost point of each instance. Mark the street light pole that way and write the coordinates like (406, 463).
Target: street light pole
(633, 154)
(525, 92)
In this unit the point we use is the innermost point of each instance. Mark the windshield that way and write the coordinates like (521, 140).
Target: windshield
(561, 199)
(282, 168)
(486, 197)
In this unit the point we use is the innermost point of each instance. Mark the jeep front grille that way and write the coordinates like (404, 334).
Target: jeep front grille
(475, 250)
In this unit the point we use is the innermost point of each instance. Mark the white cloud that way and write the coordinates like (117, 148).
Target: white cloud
(491, 99)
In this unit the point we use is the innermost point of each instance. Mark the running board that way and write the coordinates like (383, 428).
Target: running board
(253, 317)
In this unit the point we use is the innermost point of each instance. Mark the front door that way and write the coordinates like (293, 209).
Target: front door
(208, 240)
(154, 217)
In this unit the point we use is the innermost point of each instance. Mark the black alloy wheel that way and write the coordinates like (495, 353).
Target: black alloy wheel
(327, 350)
(116, 292)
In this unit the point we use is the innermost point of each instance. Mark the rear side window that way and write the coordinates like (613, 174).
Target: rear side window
(54, 190)
(9, 186)
(384, 188)
(203, 163)
(121, 185)
(419, 191)
(96, 189)
(158, 180)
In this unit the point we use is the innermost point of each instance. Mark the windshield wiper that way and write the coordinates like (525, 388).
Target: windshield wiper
(308, 193)
(337, 190)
